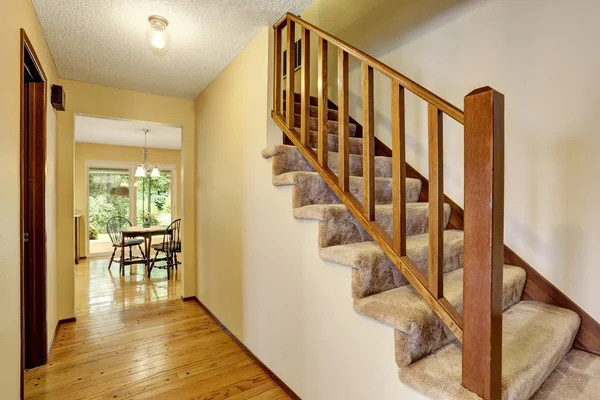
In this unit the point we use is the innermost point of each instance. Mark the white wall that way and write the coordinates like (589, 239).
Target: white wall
(258, 267)
(543, 55)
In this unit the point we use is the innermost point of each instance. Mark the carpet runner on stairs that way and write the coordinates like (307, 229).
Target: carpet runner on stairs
(536, 336)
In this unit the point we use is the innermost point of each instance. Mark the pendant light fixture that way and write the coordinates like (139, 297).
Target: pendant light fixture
(144, 167)
(157, 32)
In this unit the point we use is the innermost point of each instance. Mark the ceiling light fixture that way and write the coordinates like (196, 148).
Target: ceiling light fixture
(157, 32)
(144, 167)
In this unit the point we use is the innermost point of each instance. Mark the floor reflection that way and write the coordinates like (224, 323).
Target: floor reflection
(99, 289)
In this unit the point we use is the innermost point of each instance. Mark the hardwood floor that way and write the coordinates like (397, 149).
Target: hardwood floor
(98, 289)
(123, 346)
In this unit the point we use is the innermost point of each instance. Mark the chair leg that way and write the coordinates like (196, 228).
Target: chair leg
(169, 266)
(130, 252)
(141, 251)
(112, 258)
(175, 257)
(154, 260)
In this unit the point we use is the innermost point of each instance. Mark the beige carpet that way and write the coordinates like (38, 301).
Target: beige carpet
(536, 337)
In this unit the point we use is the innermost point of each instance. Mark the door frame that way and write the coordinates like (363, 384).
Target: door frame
(33, 281)
(131, 166)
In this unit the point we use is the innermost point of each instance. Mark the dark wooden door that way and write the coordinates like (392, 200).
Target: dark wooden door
(34, 235)
(34, 348)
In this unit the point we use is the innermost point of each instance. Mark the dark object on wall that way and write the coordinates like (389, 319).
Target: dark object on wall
(58, 98)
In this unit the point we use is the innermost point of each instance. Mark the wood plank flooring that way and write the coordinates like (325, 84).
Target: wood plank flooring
(99, 289)
(166, 349)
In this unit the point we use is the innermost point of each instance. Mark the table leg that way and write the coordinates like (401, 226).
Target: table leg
(148, 254)
(123, 256)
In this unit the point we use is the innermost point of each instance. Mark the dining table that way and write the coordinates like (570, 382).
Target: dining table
(137, 232)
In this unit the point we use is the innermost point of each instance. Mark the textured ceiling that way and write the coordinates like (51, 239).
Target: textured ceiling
(126, 133)
(104, 41)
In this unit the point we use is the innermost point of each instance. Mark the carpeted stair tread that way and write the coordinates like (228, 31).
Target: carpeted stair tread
(577, 377)
(288, 158)
(373, 272)
(418, 330)
(332, 126)
(343, 224)
(355, 144)
(310, 188)
(536, 337)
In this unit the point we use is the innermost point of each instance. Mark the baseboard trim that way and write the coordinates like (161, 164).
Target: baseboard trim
(257, 360)
(58, 324)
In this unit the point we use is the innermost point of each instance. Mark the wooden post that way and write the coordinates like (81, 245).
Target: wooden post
(290, 89)
(436, 202)
(277, 72)
(398, 170)
(343, 121)
(305, 89)
(484, 236)
(368, 142)
(323, 103)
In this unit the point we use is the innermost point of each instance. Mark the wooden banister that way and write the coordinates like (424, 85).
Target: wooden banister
(480, 330)
(323, 102)
(305, 88)
(398, 170)
(291, 56)
(277, 71)
(444, 106)
(484, 242)
(368, 103)
(436, 202)
(343, 122)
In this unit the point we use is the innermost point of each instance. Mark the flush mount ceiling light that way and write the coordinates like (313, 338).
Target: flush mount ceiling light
(144, 167)
(157, 32)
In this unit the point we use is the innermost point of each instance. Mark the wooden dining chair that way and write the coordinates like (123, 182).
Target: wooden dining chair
(171, 245)
(114, 227)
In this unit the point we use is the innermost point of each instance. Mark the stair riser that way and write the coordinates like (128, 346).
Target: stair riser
(332, 115)
(382, 274)
(432, 334)
(312, 189)
(289, 159)
(343, 228)
(356, 144)
(332, 126)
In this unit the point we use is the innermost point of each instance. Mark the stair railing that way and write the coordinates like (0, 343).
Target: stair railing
(479, 329)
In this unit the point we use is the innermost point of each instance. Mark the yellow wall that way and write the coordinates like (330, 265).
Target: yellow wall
(517, 47)
(85, 152)
(258, 268)
(20, 14)
(102, 101)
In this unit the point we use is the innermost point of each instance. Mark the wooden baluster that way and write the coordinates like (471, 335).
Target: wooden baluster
(323, 103)
(290, 90)
(277, 72)
(305, 89)
(343, 122)
(436, 202)
(484, 249)
(368, 142)
(398, 170)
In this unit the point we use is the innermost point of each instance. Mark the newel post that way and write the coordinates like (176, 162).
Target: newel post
(484, 243)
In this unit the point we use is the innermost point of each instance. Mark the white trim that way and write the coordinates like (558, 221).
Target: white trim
(131, 166)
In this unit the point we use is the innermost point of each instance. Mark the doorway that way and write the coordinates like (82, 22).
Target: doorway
(34, 350)
(114, 190)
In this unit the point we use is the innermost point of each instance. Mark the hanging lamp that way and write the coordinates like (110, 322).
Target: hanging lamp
(144, 167)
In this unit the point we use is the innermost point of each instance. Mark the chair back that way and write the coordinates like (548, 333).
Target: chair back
(114, 227)
(172, 237)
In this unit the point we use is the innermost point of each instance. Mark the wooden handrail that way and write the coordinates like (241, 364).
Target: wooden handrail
(386, 70)
(480, 327)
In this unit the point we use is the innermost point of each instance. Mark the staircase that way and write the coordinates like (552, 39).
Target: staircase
(462, 331)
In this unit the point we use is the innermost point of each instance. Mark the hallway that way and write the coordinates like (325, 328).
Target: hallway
(138, 340)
